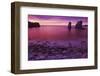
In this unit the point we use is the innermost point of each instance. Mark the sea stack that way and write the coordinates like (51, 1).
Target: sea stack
(79, 25)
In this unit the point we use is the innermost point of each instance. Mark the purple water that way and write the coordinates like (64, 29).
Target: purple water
(55, 33)
(56, 42)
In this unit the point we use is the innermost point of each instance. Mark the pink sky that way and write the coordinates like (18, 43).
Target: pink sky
(56, 20)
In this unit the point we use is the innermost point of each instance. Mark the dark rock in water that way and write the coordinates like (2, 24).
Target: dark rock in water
(35, 24)
(69, 26)
(79, 25)
(85, 25)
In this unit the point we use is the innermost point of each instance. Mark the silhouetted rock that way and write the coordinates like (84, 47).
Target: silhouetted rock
(79, 25)
(69, 26)
(35, 24)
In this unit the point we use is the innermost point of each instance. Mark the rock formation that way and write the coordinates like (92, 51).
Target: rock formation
(34, 24)
(69, 26)
(79, 25)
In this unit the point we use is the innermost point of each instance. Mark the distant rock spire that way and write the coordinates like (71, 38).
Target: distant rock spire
(69, 26)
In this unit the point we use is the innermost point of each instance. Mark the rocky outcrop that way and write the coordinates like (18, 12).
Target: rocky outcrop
(33, 24)
(79, 25)
(69, 26)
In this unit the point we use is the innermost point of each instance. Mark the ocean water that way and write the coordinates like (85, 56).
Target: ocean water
(56, 33)
(57, 42)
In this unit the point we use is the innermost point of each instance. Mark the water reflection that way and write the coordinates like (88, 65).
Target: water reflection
(56, 33)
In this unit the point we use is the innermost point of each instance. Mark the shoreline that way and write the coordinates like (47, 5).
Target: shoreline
(50, 50)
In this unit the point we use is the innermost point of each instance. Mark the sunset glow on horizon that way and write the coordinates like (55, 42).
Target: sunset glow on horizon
(56, 20)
